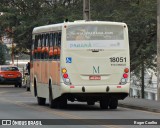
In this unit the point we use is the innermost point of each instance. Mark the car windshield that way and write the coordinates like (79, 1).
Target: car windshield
(9, 69)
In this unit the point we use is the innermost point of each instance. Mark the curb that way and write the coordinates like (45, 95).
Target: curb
(139, 107)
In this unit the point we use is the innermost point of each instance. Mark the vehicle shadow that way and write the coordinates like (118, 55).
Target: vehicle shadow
(83, 107)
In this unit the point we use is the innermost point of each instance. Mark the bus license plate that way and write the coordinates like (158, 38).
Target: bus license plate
(95, 77)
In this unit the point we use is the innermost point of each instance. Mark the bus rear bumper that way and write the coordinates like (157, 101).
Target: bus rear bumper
(83, 93)
(95, 89)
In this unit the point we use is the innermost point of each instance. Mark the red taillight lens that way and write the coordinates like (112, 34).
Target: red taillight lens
(126, 70)
(65, 75)
(125, 75)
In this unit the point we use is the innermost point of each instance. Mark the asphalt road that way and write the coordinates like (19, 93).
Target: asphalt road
(16, 103)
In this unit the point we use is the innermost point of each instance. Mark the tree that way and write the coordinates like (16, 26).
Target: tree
(2, 53)
(140, 16)
(22, 16)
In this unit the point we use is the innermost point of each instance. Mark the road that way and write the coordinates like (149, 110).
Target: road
(16, 103)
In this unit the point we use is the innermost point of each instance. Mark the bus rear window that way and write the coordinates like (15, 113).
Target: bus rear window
(95, 32)
(95, 37)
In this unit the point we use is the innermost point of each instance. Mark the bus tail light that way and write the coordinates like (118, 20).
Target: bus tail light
(65, 76)
(126, 70)
(64, 70)
(124, 77)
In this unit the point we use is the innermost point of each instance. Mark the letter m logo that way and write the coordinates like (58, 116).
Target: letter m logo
(95, 70)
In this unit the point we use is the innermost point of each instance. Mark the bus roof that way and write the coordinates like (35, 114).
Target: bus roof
(58, 27)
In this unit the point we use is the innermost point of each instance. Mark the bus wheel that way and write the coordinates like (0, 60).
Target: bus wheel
(52, 103)
(62, 102)
(41, 101)
(104, 104)
(113, 103)
(90, 102)
(15, 85)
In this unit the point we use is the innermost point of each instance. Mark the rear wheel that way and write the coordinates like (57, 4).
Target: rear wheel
(104, 104)
(113, 103)
(52, 103)
(62, 102)
(15, 85)
(41, 101)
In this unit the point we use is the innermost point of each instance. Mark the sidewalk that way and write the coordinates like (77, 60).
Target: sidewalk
(141, 104)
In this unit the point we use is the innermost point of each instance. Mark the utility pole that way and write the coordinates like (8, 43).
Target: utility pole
(12, 52)
(158, 50)
(10, 32)
(142, 78)
(86, 10)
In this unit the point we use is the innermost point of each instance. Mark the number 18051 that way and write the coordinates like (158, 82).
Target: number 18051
(117, 59)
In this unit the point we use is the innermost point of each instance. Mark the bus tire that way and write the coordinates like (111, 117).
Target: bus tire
(15, 85)
(62, 102)
(113, 103)
(41, 101)
(52, 103)
(103, 104)
(35, 88)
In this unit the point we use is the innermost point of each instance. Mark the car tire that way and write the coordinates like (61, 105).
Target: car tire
(20, 85)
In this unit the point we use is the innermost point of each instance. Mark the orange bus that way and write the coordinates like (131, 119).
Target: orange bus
(86, 61)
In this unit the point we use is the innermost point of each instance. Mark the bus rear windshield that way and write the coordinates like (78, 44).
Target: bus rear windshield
(95, 32)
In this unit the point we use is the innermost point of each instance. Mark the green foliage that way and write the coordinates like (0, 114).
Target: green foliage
(22, 16)
(140, 16)
(2, 54)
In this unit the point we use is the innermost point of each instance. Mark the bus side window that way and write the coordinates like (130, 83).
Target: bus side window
(55, 51)
(47, 46)
(35, 47)
(59, 39)
(43, 46)
(58, 45)
(51, 46)
(32, 49)
(39, 47)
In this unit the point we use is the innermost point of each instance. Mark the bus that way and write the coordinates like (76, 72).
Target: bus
(84, 61)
